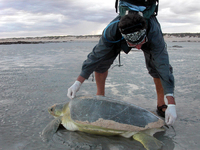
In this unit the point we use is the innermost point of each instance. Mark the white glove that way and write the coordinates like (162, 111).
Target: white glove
(170, 114)
(73, 89)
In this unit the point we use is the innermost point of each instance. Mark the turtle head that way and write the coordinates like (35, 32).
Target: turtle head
(56, 110)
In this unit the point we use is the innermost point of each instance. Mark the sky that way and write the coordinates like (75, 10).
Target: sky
(38, 18)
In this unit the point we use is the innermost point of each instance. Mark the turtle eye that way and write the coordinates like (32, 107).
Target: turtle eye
(51, 109)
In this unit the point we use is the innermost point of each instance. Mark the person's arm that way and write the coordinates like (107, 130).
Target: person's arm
(160, 57)
(80, 79)
(170, 99)
(161, 61)
(101, 52)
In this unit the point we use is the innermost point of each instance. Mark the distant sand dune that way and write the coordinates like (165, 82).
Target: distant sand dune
(176, 37)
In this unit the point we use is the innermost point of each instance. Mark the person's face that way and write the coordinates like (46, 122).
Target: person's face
(138, 46)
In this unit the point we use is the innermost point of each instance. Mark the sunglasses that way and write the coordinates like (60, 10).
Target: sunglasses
(131, 44)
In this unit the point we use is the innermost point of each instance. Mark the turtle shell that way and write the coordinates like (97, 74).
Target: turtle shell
(91, 109)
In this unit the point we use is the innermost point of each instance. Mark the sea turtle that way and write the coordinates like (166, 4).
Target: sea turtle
(105, 116)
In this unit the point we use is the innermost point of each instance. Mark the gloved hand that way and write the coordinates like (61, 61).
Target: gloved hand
(73, 89)
(170, 114)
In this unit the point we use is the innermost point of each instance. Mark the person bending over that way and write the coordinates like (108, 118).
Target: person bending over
(123, 33)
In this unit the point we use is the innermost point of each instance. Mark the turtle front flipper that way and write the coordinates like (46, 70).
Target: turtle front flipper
(50, 129)
(149, 142)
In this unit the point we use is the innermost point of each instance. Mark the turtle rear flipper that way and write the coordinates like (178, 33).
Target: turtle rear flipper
(149, 142)
(50, 129)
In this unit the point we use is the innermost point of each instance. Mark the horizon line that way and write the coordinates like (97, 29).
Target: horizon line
(94, 35)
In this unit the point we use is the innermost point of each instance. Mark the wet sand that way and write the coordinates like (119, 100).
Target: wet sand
(35, 76)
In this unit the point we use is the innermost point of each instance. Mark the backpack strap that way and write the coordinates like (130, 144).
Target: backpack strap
(156, 10)
(104, 33)
(116, 5)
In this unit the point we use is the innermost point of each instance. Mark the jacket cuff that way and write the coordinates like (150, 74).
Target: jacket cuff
(84, 75)
(170, 94)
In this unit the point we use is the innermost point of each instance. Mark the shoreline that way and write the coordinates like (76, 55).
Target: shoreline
(182, 37)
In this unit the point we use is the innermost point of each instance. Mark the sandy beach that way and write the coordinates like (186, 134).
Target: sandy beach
(34, 76)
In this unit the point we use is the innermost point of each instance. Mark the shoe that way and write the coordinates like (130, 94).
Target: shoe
(160, 110)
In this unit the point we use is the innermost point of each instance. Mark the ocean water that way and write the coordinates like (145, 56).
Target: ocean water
(35, 76)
